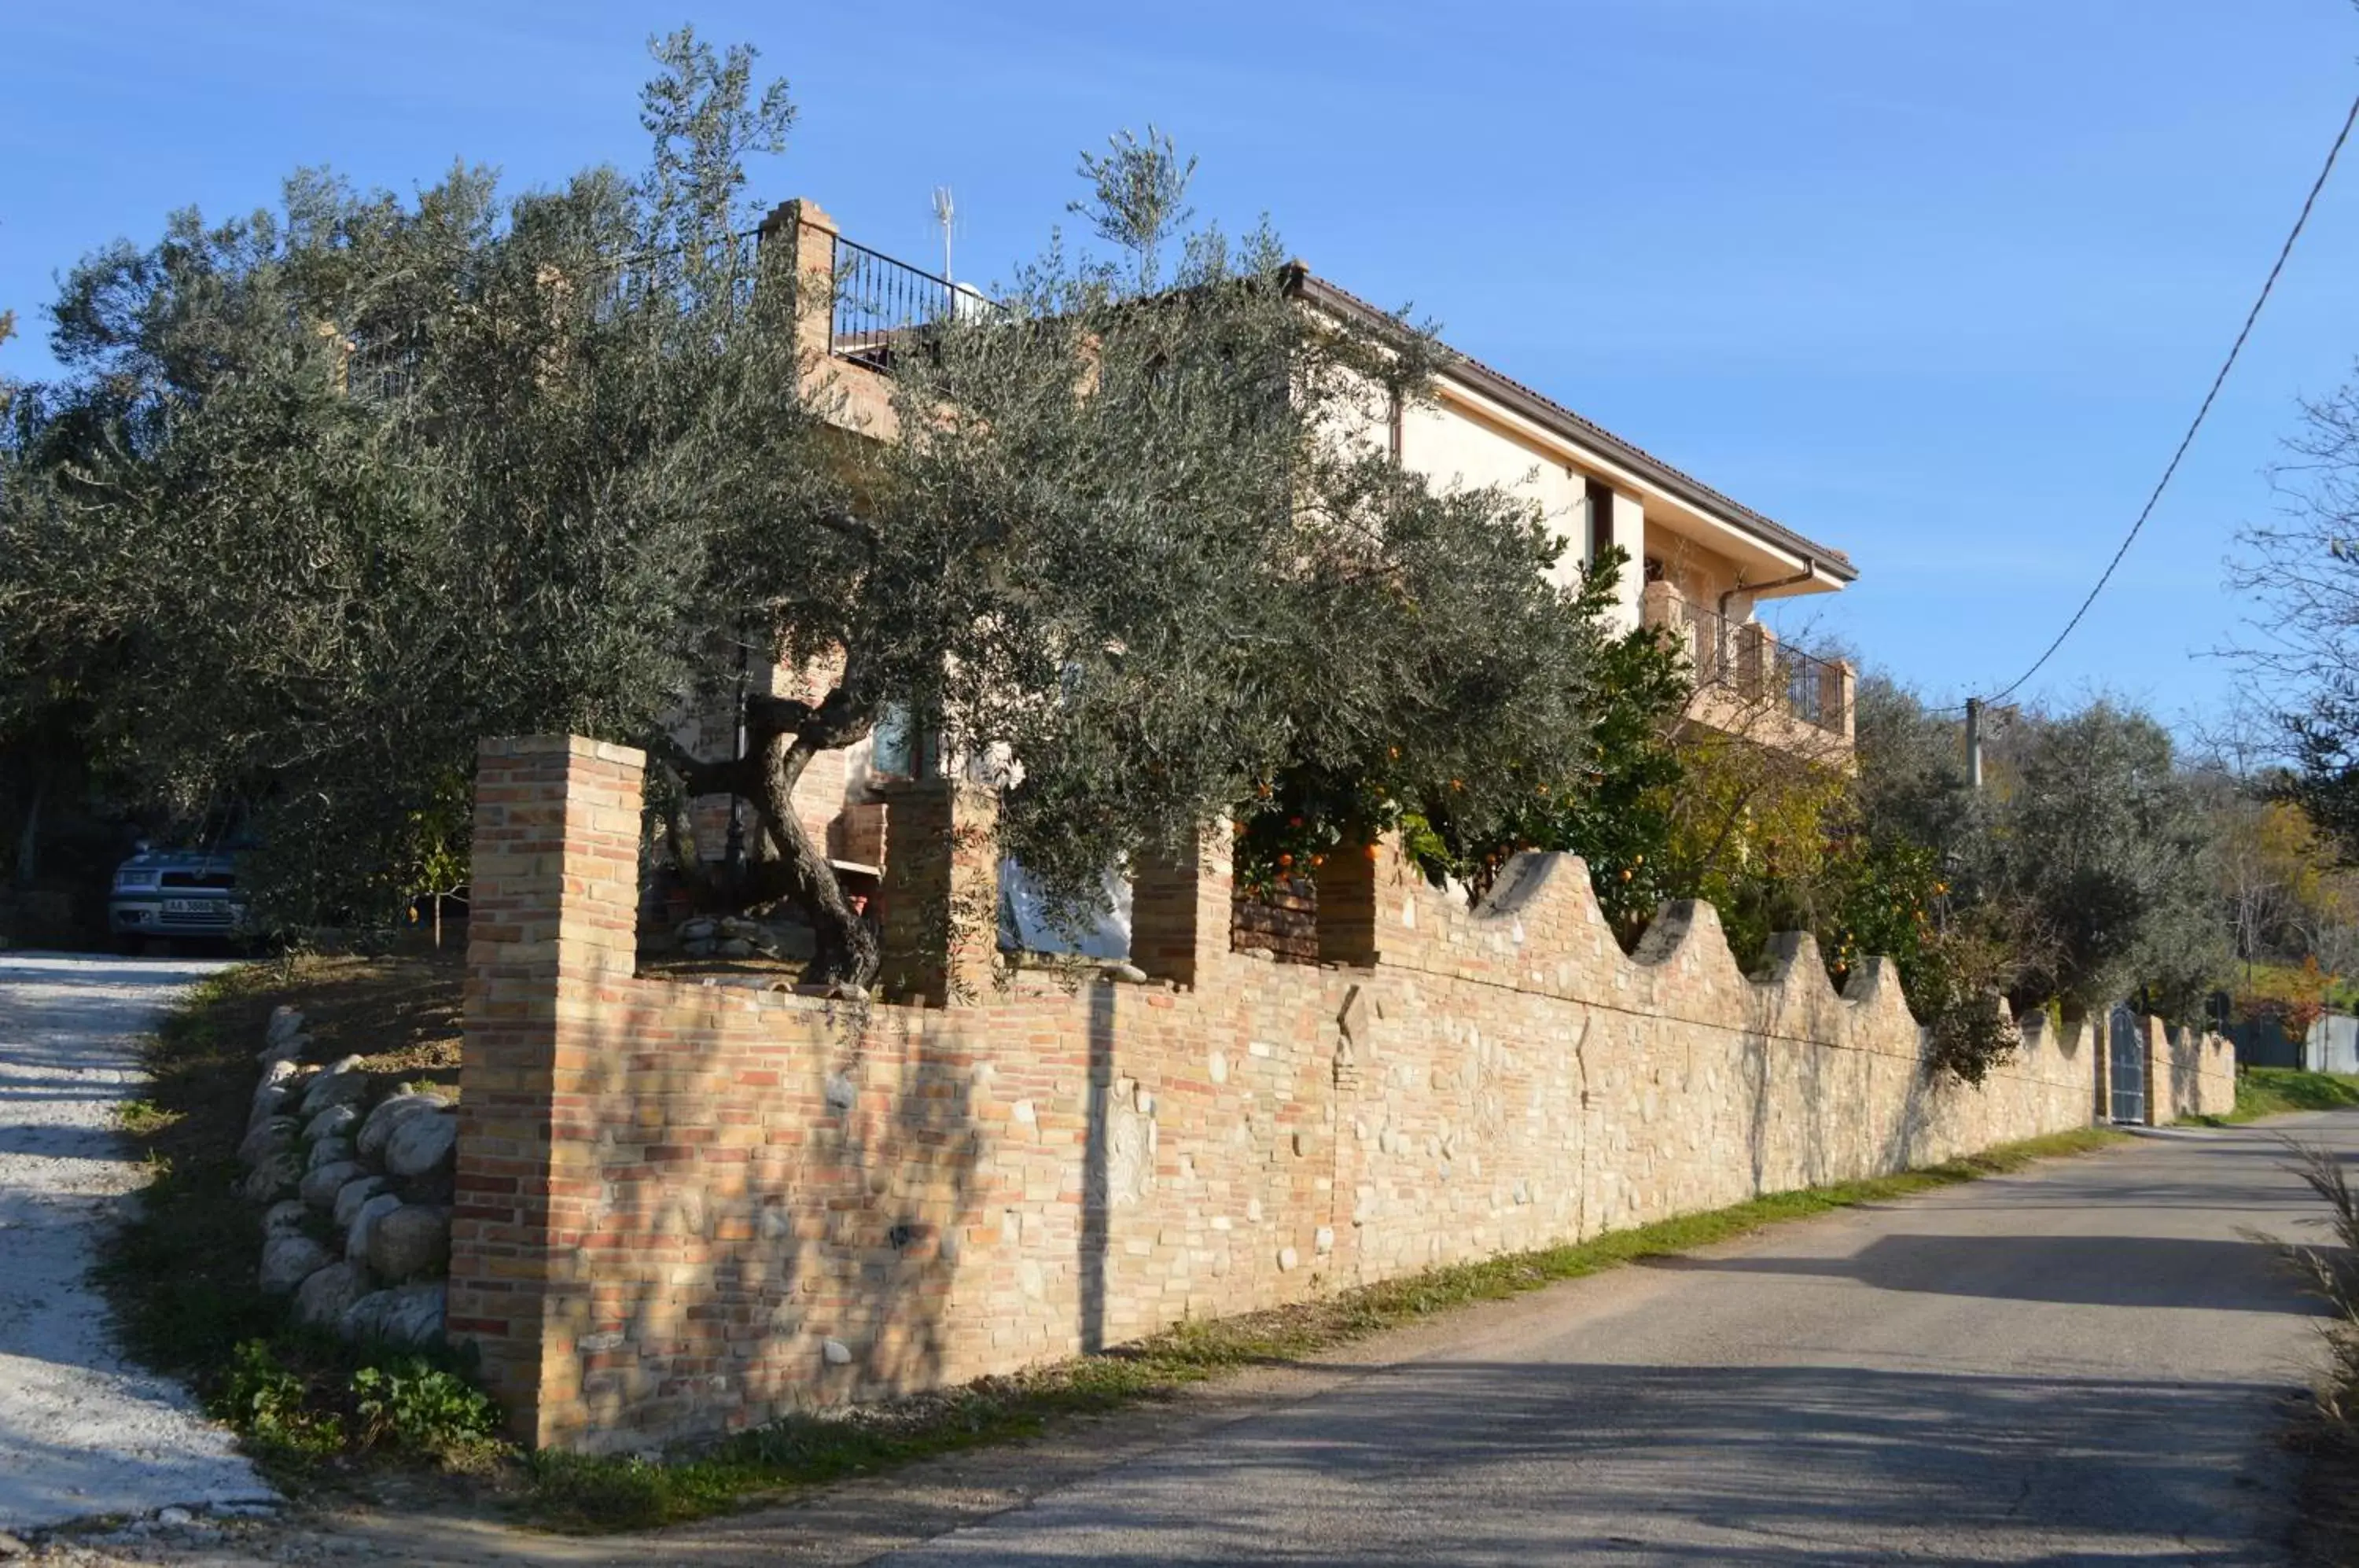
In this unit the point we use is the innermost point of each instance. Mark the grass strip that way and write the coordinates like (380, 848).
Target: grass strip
(2276, 1091)
(181, 1272)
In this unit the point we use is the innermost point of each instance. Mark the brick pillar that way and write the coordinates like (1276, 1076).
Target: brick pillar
(1664, 607)
(2098, 1038)
(2159, 1111)
(1841, 677)
(556, 877)
(1754, 659)
(803, 226)
(941, 891)
(1367, 894)
(1180, 909)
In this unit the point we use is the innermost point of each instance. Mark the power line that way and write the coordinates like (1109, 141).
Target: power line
(2188, 438)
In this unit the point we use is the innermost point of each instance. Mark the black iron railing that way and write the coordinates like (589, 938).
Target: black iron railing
(1740, 655)
(1814, 687)
(883, 305)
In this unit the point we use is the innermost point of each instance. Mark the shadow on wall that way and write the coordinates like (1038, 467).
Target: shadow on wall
(1097, 1194)
(686, 1208)
(735, 1262)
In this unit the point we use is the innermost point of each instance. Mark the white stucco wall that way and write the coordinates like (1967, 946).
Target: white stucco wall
(1451, 444)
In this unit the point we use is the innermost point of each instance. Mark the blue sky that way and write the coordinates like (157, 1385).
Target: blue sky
(1937, 284)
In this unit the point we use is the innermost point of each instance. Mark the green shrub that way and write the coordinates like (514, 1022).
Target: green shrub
(419, 1407)
(272, 1406)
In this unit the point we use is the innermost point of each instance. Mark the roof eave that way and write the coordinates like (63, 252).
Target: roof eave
(1563, 422)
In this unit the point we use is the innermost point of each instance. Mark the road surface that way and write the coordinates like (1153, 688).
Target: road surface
(82, 1433)
(2088, 1362)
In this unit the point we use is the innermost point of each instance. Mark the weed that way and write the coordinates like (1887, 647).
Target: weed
(2330, 1517)
(416, 1407)
(144, 1119)
(272, 1407)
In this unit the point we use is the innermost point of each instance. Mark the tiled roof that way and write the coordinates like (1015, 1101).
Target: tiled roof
(1546, 411)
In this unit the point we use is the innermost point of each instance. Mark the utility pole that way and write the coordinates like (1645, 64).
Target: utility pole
(1974, 743)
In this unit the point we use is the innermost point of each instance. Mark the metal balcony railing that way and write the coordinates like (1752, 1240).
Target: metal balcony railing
(883, 306)
(1742, 656)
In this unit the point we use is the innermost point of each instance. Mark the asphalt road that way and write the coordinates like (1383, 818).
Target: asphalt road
(2086, 1363)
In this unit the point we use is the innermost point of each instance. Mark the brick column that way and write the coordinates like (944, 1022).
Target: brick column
(1180, 909)
(1664, 607)
(804, 227)
(1363, 891)
(941, 891)
(2100, 1058)
(555, 879)
(2159, 1109)
(1754, 660)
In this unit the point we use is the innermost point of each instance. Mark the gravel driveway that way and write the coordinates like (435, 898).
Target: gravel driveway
(82, 1433)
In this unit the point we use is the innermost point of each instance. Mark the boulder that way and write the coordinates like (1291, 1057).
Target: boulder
(274, 1178)
(267, 1100)
(792, 941)
(342, 1084)
(269, 1139)
(277, 1074)
(320, 1184)
(329, 1151)
(288, 1261)
(290, 1049)
(336, 1121)
(411, 1240)
(377, 1130)
(364, 1218)
(286, 1022)
(407, 1314)
(286, 1218)
(352, 1195)
(422, 1144)
(328, 1292)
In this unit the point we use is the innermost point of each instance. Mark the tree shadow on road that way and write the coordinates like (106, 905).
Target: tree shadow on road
(1497, 1463)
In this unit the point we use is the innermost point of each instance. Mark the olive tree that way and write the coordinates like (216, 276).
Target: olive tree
(331, 491)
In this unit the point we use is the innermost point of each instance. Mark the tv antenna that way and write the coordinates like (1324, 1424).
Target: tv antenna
(944, 211)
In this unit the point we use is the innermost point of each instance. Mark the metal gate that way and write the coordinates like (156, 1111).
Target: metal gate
(2125, 1065)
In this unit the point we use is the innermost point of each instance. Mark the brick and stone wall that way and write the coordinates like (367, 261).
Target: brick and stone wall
(688, 1208)
(2187, 1073)
(1281, 919)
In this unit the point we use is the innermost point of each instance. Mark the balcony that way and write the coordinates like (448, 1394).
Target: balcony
(884, 306)
(860, 312)
(1749, 684)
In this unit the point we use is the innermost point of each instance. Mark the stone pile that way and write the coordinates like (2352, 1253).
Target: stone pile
(355, 1189)
(734, 936)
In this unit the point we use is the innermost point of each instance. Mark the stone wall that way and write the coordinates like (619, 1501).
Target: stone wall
(2187, 1073)
(688, 1208)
